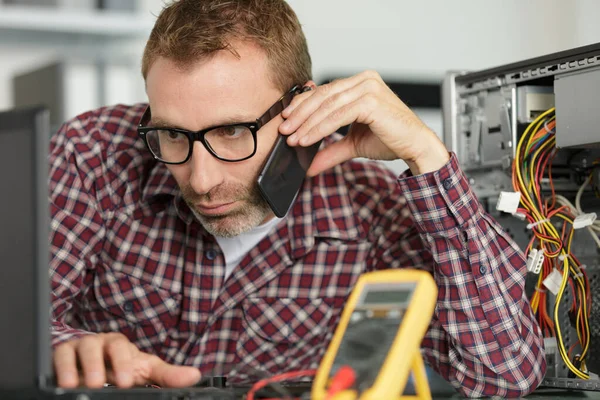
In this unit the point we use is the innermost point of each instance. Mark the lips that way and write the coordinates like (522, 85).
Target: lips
(214, 209)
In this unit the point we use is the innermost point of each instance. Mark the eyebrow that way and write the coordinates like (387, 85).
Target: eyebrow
(234, 119)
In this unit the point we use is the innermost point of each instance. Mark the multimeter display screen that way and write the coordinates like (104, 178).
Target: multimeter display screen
(386, 297)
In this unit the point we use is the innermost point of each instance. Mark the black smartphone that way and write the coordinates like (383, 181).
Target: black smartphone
(283, 173)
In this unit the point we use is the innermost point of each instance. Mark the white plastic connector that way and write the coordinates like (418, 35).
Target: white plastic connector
(535, 259)
(550, 345)
(508, 202)
(583, 220)
(553, 281)
(519, 216)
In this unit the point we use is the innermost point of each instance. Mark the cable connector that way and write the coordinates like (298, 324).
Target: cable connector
(508, 202)
(583, 220)
(553, 281)
(520, 216)
(535, 259)
(550, 345)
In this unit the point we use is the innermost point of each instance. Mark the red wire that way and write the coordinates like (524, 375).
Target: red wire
(343, 379)
(278, 378)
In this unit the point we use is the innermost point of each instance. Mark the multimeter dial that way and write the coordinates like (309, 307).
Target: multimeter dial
(369, 337)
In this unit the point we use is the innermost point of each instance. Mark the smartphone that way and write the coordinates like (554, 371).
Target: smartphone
(283, 174)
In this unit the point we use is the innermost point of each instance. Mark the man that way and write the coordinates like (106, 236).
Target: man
(167, 263)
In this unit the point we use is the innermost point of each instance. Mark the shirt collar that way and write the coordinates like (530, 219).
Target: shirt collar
(162, 187)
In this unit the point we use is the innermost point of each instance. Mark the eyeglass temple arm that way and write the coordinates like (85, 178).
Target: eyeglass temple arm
(279, 106)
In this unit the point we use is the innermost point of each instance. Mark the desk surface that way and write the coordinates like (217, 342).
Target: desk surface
(560, 393)
(549, 394)
(156, 394)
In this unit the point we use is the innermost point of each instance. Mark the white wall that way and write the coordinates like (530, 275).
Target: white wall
(425, 38)
(401, 39)
(587, 28)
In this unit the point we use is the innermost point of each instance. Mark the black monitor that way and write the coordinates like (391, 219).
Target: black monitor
(24, 220)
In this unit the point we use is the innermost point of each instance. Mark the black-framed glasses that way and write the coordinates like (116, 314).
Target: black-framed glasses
(235, 142)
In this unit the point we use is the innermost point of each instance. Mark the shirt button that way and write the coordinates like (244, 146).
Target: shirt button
(211, 254)
(128, 306)
(447, 183)
(482, 270)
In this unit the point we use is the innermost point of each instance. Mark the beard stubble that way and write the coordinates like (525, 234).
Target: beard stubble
(253, 209)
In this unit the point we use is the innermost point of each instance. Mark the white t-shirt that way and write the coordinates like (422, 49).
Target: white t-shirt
(235, 248)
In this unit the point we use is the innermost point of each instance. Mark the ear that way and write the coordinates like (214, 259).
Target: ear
(311, 84)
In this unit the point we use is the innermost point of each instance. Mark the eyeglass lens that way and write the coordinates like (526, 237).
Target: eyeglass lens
(227, 142)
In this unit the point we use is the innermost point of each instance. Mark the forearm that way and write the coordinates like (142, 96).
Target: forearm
(493, 345)
(76, 232)
(483, 337)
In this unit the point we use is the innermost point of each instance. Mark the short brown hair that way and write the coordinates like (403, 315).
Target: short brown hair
(188, 31)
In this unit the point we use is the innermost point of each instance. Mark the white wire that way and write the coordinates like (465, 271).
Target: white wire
(563, 201)
(596, 225)
(579, 194)
(576, 210)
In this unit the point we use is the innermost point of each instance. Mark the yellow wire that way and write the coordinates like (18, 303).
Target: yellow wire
(549, 230)
(581, 283)
(559, 338)
(532, 163)
(518, 167)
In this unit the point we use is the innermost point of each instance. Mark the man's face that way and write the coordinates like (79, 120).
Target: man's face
(221, 90)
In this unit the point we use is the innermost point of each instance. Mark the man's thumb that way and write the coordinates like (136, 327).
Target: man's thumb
(167, 375)
(330, 156)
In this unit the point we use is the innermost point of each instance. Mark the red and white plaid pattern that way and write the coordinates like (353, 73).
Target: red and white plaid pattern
(128, 256)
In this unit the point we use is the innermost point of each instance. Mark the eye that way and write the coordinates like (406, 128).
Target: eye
(171, 136)
(231, 132)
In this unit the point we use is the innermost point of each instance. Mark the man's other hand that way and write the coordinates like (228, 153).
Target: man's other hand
(84, 361)
(383, 127)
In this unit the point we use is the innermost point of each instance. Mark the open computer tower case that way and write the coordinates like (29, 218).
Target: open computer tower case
(485, 113)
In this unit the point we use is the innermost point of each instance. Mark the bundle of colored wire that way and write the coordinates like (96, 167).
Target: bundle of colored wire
(594, 228)
(533, 161)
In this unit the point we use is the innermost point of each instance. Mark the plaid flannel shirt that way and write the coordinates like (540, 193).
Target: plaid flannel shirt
(128, 256)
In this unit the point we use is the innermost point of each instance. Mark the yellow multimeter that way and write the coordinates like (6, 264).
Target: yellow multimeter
(379, 336)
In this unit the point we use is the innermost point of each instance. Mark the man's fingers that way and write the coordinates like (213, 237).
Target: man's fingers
(65, 366)
(297, 113)
(119, 351)
(329, 108)
(167, 375)
(91, 358)
(296, 101)
(356, 111)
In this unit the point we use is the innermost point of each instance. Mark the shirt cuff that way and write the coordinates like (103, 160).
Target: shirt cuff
(61, 333)
(440, 200)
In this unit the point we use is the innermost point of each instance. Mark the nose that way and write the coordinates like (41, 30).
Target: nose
(206, 172)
